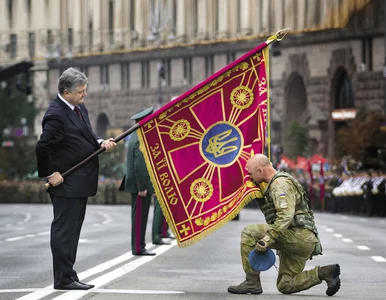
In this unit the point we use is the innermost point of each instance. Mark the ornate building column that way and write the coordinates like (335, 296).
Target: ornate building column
(96, 29)
(204, 13)
(224, 19)
(247, 16)
(181, 25)
(125, 24)
(39, 26)
(20, 27)
(278, 20)
(142, 8)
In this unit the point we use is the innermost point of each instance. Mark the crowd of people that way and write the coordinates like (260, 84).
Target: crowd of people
(361, 193)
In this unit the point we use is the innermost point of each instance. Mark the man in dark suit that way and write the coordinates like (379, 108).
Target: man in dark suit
(67, 139)
(137, 182)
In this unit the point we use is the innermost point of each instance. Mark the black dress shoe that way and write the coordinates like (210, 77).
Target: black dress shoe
(90, 285)
(73, 286)
(145, 252)
(161, 243)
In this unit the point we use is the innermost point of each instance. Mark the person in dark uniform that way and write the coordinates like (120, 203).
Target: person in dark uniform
(367, 188)
(66, 140)
(137, 182)
(160, 226)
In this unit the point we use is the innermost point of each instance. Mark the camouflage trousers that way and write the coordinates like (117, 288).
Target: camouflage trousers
(294, 246)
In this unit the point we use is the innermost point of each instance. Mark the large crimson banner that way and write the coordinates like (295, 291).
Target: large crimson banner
(196, 147)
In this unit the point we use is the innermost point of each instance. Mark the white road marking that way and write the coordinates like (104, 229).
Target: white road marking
(101, 291)
(338, 235)
(347, 240)
(41, 293)
(43, 233)
(84, 241)
(31, 235)
(378, 258)
(147, 292)
(329, 230)
(108, 277)
(18, 290)
(16, 238)
(363, 248)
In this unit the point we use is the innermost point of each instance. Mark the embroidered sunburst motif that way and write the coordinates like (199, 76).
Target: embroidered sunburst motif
(201, 190)
(242, 97)
(179, 130)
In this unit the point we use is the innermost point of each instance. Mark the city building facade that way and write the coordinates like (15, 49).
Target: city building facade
(140, 53)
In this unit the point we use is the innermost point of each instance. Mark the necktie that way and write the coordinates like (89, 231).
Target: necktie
(77, 111)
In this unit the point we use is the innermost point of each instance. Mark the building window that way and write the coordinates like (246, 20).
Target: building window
(145, 79)
(188, 78)
(10, 9)
(70, 37)
(125, 76)
(104, 80)
(50, 42)
(84, 70)
(90, 36)
(344, 92)
(231, 57)
(111, 23)
(216, 17)
(168, 72)
(209, 68)
(132, 15)
(13, 45)
(195, 19)
(31, 44)
(173, 19)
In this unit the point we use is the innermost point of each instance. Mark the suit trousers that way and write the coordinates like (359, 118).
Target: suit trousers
(160, 226)
(139, 214)
(69, 214)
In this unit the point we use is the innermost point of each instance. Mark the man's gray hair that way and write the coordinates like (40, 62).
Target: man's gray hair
(71, 79)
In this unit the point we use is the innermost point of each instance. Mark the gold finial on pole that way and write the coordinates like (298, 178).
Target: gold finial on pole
(278, 36)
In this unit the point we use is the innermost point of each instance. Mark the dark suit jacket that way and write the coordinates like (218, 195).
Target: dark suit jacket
(137, 177)
(67, 140)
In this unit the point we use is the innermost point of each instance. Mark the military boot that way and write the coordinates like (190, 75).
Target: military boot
(330, 274)
(251, 285)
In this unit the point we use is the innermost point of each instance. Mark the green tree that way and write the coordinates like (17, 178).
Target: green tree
(363, 139)
(18, 160)
(299, 140)
(111, 164)
(14, 107)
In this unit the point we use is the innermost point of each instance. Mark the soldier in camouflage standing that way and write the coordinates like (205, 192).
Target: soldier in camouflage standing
(290, 229)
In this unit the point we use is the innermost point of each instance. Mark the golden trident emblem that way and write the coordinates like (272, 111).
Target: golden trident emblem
(218, 147)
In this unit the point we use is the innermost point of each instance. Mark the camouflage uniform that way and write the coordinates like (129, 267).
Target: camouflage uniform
(290, 230)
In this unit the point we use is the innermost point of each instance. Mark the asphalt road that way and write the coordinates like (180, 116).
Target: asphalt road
(201, 271)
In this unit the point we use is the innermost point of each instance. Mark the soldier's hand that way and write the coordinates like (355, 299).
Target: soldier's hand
(142, 193)
(55, 179)
(261, 246)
